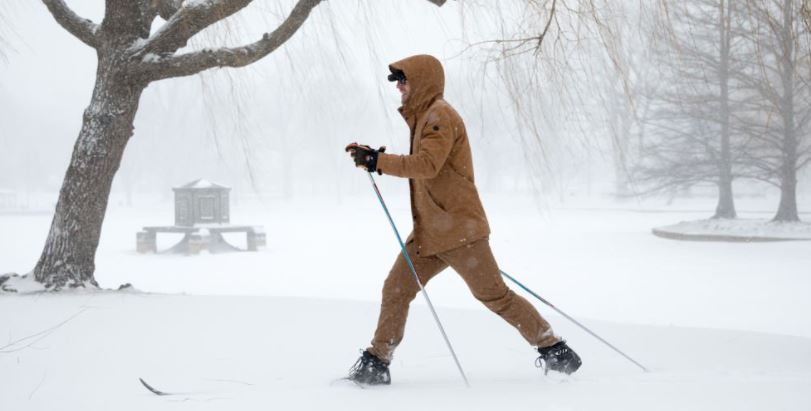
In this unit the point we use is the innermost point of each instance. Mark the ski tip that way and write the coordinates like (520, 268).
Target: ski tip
(150, 388)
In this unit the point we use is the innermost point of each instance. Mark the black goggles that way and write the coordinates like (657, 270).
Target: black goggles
(398, 76)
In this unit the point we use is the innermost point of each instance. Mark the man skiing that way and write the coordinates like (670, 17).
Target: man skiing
(450, 226)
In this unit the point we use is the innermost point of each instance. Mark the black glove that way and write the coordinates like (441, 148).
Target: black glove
(365, 156)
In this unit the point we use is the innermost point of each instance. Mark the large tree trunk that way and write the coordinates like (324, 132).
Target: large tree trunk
(787, 210)
(726, 202)
(68, 258)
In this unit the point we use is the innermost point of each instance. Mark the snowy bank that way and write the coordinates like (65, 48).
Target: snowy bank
(87, 351)
(735, 230)
(13, 283)
(23, 284)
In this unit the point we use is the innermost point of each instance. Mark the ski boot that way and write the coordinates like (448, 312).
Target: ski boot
(558, 357)
(370, 370)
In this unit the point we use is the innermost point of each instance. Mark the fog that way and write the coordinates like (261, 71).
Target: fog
(275, 128)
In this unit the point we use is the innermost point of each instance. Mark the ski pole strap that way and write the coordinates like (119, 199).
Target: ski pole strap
(518, 283)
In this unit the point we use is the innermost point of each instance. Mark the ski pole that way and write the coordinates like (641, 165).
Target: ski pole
(417, 279)
(572, 320)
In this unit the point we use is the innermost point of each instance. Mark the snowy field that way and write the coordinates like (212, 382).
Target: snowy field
(722, 326)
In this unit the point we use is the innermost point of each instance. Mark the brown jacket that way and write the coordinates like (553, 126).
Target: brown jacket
(445, 204)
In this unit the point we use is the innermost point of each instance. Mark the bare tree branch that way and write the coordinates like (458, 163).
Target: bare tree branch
(192, 63)
(518, 45)
(82, 28)
(191, 18)
(167, 8)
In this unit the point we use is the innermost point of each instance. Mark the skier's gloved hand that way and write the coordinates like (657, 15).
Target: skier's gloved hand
(365, 157)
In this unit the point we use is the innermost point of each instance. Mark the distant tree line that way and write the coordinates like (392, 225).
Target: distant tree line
(728, 100)
(683, 94)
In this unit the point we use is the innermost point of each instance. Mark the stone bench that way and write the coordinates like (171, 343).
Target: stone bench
(199, 237)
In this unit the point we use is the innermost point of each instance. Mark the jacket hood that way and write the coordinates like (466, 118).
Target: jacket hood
(426, 78)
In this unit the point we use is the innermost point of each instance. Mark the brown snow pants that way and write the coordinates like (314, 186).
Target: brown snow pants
(477, 266)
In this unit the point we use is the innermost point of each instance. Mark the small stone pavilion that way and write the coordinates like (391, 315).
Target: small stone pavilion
(202, 214)
(201, 202)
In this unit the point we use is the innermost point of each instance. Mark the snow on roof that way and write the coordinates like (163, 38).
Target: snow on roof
(202, 183)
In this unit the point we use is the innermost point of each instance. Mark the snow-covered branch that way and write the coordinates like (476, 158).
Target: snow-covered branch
(84, 29)
(193, 63)
(191, 18)
(158, 62)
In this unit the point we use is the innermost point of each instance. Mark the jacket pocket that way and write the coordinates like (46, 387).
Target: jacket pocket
(433, 199)
(452, 191)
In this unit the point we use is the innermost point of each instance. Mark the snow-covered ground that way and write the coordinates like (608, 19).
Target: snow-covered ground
(723, 326)
(252, 353)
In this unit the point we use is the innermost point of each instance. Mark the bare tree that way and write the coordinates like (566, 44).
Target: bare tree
(549, 57)
(690, 129)
(627, 103)
(130, 57)
(780, 113)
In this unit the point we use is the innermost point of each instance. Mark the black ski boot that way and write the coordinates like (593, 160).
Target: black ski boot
(558, 357)
(370, 370)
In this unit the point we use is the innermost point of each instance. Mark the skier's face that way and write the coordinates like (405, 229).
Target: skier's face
(404, 88)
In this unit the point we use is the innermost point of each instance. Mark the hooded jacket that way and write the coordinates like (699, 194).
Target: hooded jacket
(445, 204)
